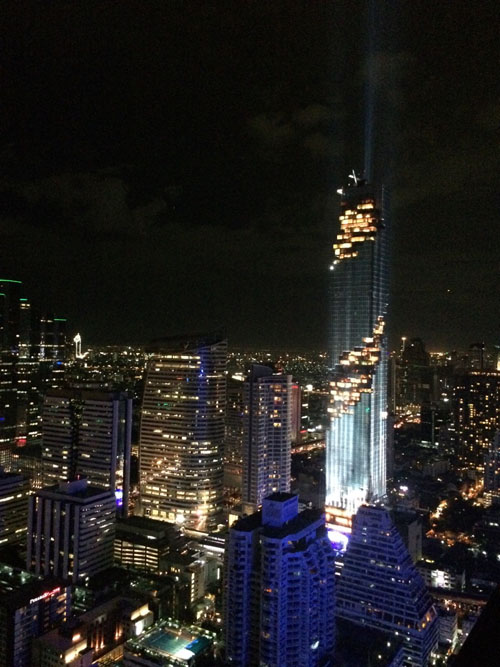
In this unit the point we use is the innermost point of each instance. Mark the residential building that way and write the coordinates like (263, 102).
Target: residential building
(267, 435)
(476, 401)
(279, 587)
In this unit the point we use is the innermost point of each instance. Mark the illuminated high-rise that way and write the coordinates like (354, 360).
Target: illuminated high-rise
(182, 431)
(10, 292)
(356, 443)
(88, 434)
(267, 435)
(71, 530)
(380, 587)
(279, 589)
(476, 403)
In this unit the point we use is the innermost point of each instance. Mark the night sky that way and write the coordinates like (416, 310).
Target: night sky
(169, 166)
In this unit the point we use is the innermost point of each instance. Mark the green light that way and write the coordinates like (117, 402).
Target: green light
(6, 280)
(23, 299)
(2, 294)
(60, 319)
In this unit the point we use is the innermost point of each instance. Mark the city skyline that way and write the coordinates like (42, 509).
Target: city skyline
(249, 334)
(147, 187)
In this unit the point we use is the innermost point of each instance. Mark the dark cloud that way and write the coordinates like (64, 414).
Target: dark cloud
(175, 166)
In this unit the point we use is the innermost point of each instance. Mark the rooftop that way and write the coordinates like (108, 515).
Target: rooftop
(280, 496)
(170, 640)
(186, 342)
(86, 394)
(19, 588)
(76, 489)
(299, 523)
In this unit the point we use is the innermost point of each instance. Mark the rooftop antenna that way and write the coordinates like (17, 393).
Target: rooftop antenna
(354, 177)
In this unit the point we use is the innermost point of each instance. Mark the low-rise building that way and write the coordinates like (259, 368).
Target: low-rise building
(441, 576)
(65, 646)
(448, 629)
(96, 635)
(142, 543)
(171, 644)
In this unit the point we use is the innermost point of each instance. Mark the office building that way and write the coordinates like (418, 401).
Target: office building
(27, 380)
(71, 529)
(279, 598)
(182, 431)
(267, 435)
(14, 499)
(476, 405)
(356, 440)
(27, 461)
(88, 434)
(142, 543)
(29, 607)
(380, 587)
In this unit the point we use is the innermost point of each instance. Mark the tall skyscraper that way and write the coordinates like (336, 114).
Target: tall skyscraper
(182, 431)
(279, 598)
(10, 291)
(380, 587)
(356, 441)
(31, 358)
(52, 350)
(88, 434)
(267, 435)
(71, 529)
